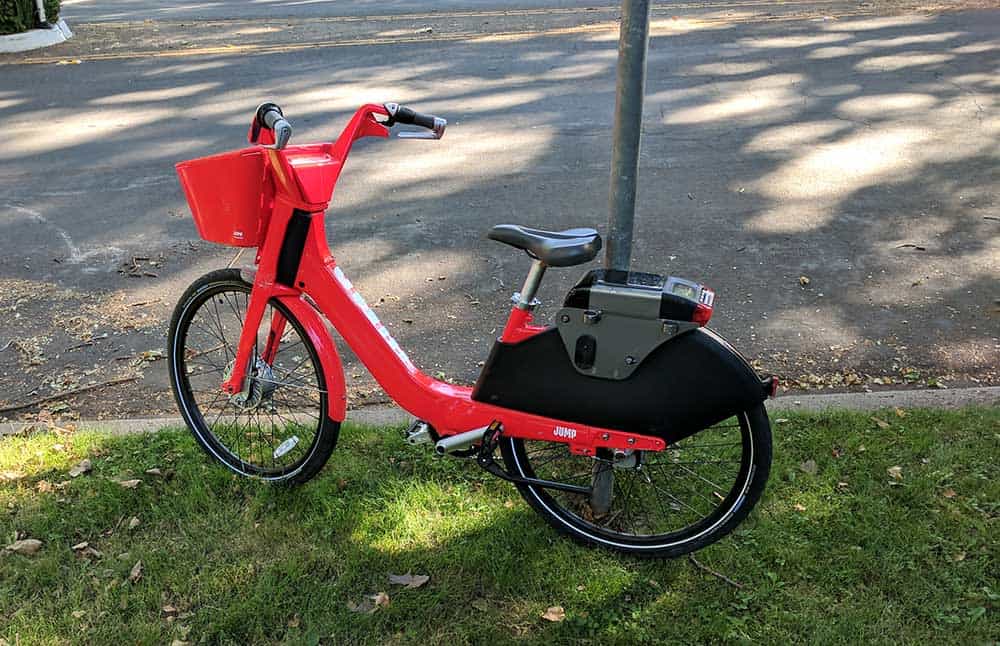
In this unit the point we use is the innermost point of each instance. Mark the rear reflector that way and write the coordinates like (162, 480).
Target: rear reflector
(702, 312)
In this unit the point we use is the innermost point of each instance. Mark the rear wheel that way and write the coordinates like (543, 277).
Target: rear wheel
(276, 429)
(663, 503)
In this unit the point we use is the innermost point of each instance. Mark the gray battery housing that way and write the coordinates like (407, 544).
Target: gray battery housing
(609, 328)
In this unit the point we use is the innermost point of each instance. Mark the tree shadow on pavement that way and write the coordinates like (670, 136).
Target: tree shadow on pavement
(833, 180)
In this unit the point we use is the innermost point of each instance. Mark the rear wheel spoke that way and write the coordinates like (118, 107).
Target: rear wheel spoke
(655, 496)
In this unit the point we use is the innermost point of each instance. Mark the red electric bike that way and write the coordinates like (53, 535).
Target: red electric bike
(626, 424)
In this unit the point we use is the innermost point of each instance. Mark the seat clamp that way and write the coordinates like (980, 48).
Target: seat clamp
(516, 300)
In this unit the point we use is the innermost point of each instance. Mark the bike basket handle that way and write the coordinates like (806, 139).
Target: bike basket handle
(407, 116)
(269, 116)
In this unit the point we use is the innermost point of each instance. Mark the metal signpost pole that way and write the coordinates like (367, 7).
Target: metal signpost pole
(42, 18)
(633, 41)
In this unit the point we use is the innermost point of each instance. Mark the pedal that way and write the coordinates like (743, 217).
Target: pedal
(418, 433)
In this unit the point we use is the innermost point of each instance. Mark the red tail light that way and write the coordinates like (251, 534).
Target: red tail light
(703, 310)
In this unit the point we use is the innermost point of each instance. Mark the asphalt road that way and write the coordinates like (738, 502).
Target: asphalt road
(159, 10)
(833, 178)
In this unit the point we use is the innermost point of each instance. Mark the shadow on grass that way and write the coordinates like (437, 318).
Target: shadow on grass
(858, 152)
(845, 554)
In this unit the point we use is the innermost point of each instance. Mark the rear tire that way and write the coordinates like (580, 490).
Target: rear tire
(284, 434)
(668, 488)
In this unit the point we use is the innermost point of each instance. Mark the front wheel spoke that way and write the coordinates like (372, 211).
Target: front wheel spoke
(289, 385)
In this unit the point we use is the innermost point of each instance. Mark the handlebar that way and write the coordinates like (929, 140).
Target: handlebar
(270, 117)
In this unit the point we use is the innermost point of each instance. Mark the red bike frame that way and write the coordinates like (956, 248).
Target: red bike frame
(320, 289)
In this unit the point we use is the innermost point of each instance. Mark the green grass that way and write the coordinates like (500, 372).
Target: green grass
(873, 560)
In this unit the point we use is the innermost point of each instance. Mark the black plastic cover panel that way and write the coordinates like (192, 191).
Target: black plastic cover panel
(687, 384)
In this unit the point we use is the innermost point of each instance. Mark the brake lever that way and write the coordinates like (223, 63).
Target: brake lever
(436, 133)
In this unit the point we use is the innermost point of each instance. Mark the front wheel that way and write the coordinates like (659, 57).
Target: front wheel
(277, 428)
(665, 503)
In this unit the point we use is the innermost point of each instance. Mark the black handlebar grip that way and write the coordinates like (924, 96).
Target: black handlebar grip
(407, 116)
(271, 117)
(268, 114)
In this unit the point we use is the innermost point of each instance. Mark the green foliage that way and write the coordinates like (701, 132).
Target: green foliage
(20, 15)
(840, 551)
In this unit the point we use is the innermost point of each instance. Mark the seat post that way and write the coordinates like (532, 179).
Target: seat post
(526, 297)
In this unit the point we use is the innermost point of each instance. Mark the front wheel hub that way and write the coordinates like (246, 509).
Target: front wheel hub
(258, 388)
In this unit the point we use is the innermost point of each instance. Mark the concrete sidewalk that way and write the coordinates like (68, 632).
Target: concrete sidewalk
(390, 415)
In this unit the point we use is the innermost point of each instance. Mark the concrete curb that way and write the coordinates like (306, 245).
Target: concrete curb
(35, 38)
(390, 415)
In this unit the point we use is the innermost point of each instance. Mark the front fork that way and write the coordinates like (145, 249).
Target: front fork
(259, 297)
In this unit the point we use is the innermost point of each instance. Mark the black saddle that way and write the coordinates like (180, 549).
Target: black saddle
(554, 248)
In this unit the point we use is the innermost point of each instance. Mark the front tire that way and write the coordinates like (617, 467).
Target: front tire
(277, 430)
(662, 504)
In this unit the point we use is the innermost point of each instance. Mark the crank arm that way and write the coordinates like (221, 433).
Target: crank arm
(486, 461)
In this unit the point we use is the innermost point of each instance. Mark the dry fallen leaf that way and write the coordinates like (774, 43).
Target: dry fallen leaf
(136, 573)
(132, 524)
(880, 422)
(169, 611)
(409, 580)
(900, 412)
(370, 604)
(554, 613)
(130, 484)
(896, 473)
(949, 493)
(87, 551)
(25, 547)
(295, 621)
(83, 467)
(804, 280)
(78, 613)
(154, 472)
(799, 507)
(366, 606)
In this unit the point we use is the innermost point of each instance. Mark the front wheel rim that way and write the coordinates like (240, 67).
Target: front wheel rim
(281, 436)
